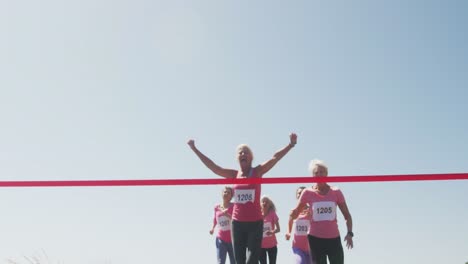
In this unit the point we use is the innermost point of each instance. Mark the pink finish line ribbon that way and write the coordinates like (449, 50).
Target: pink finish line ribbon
(267, 180)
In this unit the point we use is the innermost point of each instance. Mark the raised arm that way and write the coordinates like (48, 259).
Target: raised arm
(266, 166)
(226, 173)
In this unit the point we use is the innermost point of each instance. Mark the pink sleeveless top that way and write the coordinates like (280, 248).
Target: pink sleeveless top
(301, 230)
(223, 223)
(247, 201)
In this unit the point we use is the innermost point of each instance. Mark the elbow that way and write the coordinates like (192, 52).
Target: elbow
(277, 157)
(348, 218)
(293, 214)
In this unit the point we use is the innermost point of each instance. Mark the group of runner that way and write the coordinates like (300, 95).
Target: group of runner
(246, 227)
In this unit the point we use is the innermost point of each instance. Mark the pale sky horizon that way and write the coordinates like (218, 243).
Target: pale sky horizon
(97, 90)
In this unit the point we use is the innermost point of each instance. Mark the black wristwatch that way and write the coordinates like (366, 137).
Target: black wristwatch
(350, 233)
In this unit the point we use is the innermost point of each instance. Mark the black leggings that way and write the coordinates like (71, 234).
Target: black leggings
(320, 248)
(247, 236)
(272, 253)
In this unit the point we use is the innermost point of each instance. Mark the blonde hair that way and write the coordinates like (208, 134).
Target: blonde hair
(244, 146)
(231, 190)
(270, 202)
(317, 163)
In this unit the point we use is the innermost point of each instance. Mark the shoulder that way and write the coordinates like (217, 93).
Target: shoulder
(336, 190)
(271, 215)
(308, 191)
(257, 171)
(275, 215)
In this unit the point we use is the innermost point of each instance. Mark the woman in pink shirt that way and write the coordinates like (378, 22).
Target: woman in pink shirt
(222, 220)
(324, 236)
(270, 228)
(247, 219)
(300, 243)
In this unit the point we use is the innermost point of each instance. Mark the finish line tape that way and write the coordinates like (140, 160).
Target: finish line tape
(267, 180)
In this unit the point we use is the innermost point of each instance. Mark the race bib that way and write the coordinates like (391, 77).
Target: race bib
(266, 227)
(324, 211)
(302, 227)
(244, 196)
(224, 223)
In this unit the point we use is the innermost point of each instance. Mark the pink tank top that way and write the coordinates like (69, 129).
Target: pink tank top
(223, 223)
(301, 230)
(247, 201)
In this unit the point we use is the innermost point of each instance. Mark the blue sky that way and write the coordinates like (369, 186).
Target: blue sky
(114, 89)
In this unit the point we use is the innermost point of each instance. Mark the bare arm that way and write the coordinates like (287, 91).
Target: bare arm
(212, 228)
(266, 166)
(226, 213)
(349, 224)
(277, 227)
(290, 225)
(226, 173)
(214, 224)
(295, 212)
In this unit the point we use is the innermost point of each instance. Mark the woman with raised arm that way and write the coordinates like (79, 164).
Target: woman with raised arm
(324, 236)
(247, 219)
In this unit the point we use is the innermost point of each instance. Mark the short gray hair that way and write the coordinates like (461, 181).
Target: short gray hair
(241, 146)
(317, 163)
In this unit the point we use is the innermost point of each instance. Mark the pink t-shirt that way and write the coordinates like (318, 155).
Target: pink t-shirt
(223, 223)
(269, 221)
(301, 230)
(323, 222)
(247, 200)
